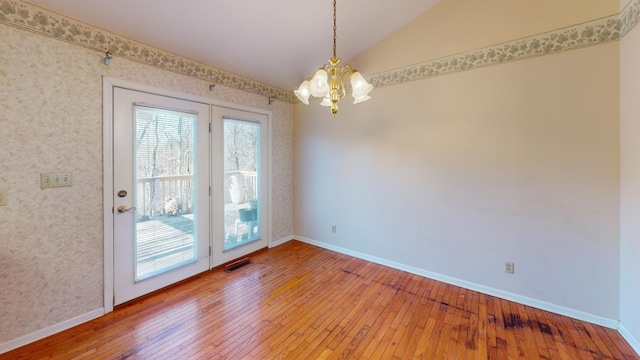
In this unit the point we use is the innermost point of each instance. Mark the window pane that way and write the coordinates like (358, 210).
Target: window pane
(242, 190)
(164, 171)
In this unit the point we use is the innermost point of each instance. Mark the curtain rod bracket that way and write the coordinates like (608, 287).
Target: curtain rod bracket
(108, 57)
(271, 100)
(211, 87)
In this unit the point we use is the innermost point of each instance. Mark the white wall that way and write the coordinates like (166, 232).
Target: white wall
(459, 173)
(630, 186)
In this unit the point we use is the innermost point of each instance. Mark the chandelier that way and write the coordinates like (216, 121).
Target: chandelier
(328, 81)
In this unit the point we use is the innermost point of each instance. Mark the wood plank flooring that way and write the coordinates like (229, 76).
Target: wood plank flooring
(297, 301)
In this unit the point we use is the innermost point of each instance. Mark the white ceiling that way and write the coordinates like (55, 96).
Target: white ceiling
(279, 42)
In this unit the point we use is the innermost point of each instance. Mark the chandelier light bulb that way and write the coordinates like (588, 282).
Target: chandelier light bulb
(318, 86)
(303, 92)
(359, 85)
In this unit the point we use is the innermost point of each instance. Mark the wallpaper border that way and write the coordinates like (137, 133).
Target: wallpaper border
(629, 17)
(577, 36)
(590, 33)
(33, 18)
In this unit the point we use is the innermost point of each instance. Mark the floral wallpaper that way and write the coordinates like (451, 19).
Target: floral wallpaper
(24, 15)
(51, 240)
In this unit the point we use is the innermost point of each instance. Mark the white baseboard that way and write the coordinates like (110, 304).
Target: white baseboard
(281, 241)
(561, 310)
(48, 331)
(626, 334)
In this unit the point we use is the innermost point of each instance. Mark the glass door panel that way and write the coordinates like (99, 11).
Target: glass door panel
(242, 188)
(165, 190)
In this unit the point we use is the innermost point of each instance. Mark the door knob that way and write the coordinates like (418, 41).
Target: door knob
(123, 209)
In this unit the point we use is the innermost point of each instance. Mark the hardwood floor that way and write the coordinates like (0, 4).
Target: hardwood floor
(297, 301)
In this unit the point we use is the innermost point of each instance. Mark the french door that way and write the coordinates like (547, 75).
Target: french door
(161, 168)
(240, 183)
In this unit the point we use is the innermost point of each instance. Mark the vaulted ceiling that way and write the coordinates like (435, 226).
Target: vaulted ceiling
(279, 42)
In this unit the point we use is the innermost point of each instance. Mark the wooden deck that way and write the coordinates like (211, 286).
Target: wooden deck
(165, 241)
(297, 301)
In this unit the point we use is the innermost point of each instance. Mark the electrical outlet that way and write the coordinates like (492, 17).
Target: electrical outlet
(3, 197)
(333, 229)
(56, 179)
(509, 267)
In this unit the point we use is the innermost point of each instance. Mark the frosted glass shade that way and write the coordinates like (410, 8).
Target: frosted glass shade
(359, 85)
(303, 92)
(318, 86)
(326, 101)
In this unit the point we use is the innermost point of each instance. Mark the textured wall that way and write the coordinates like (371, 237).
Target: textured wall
(51, 241)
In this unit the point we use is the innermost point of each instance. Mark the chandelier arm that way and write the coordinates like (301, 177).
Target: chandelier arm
(343, 91)
(344, 72)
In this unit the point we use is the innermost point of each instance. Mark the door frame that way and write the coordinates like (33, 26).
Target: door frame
(108, 85)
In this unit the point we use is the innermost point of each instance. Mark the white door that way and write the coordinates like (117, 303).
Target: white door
(239, 200)
(161, 160)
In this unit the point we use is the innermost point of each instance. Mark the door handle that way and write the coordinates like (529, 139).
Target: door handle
(123, 209)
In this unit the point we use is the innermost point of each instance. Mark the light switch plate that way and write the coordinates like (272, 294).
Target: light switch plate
(509, 267)
(56, 179)
(3, 197)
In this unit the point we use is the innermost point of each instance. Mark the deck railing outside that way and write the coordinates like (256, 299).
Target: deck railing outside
(248, 183)
(164, 195)
(173, 195)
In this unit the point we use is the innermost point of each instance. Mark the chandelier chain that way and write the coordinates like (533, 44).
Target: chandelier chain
(335, 28)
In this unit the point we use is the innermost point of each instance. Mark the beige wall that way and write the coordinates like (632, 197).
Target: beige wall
(456, 26)
(630, 183)
(51, 253)
(459, 173)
